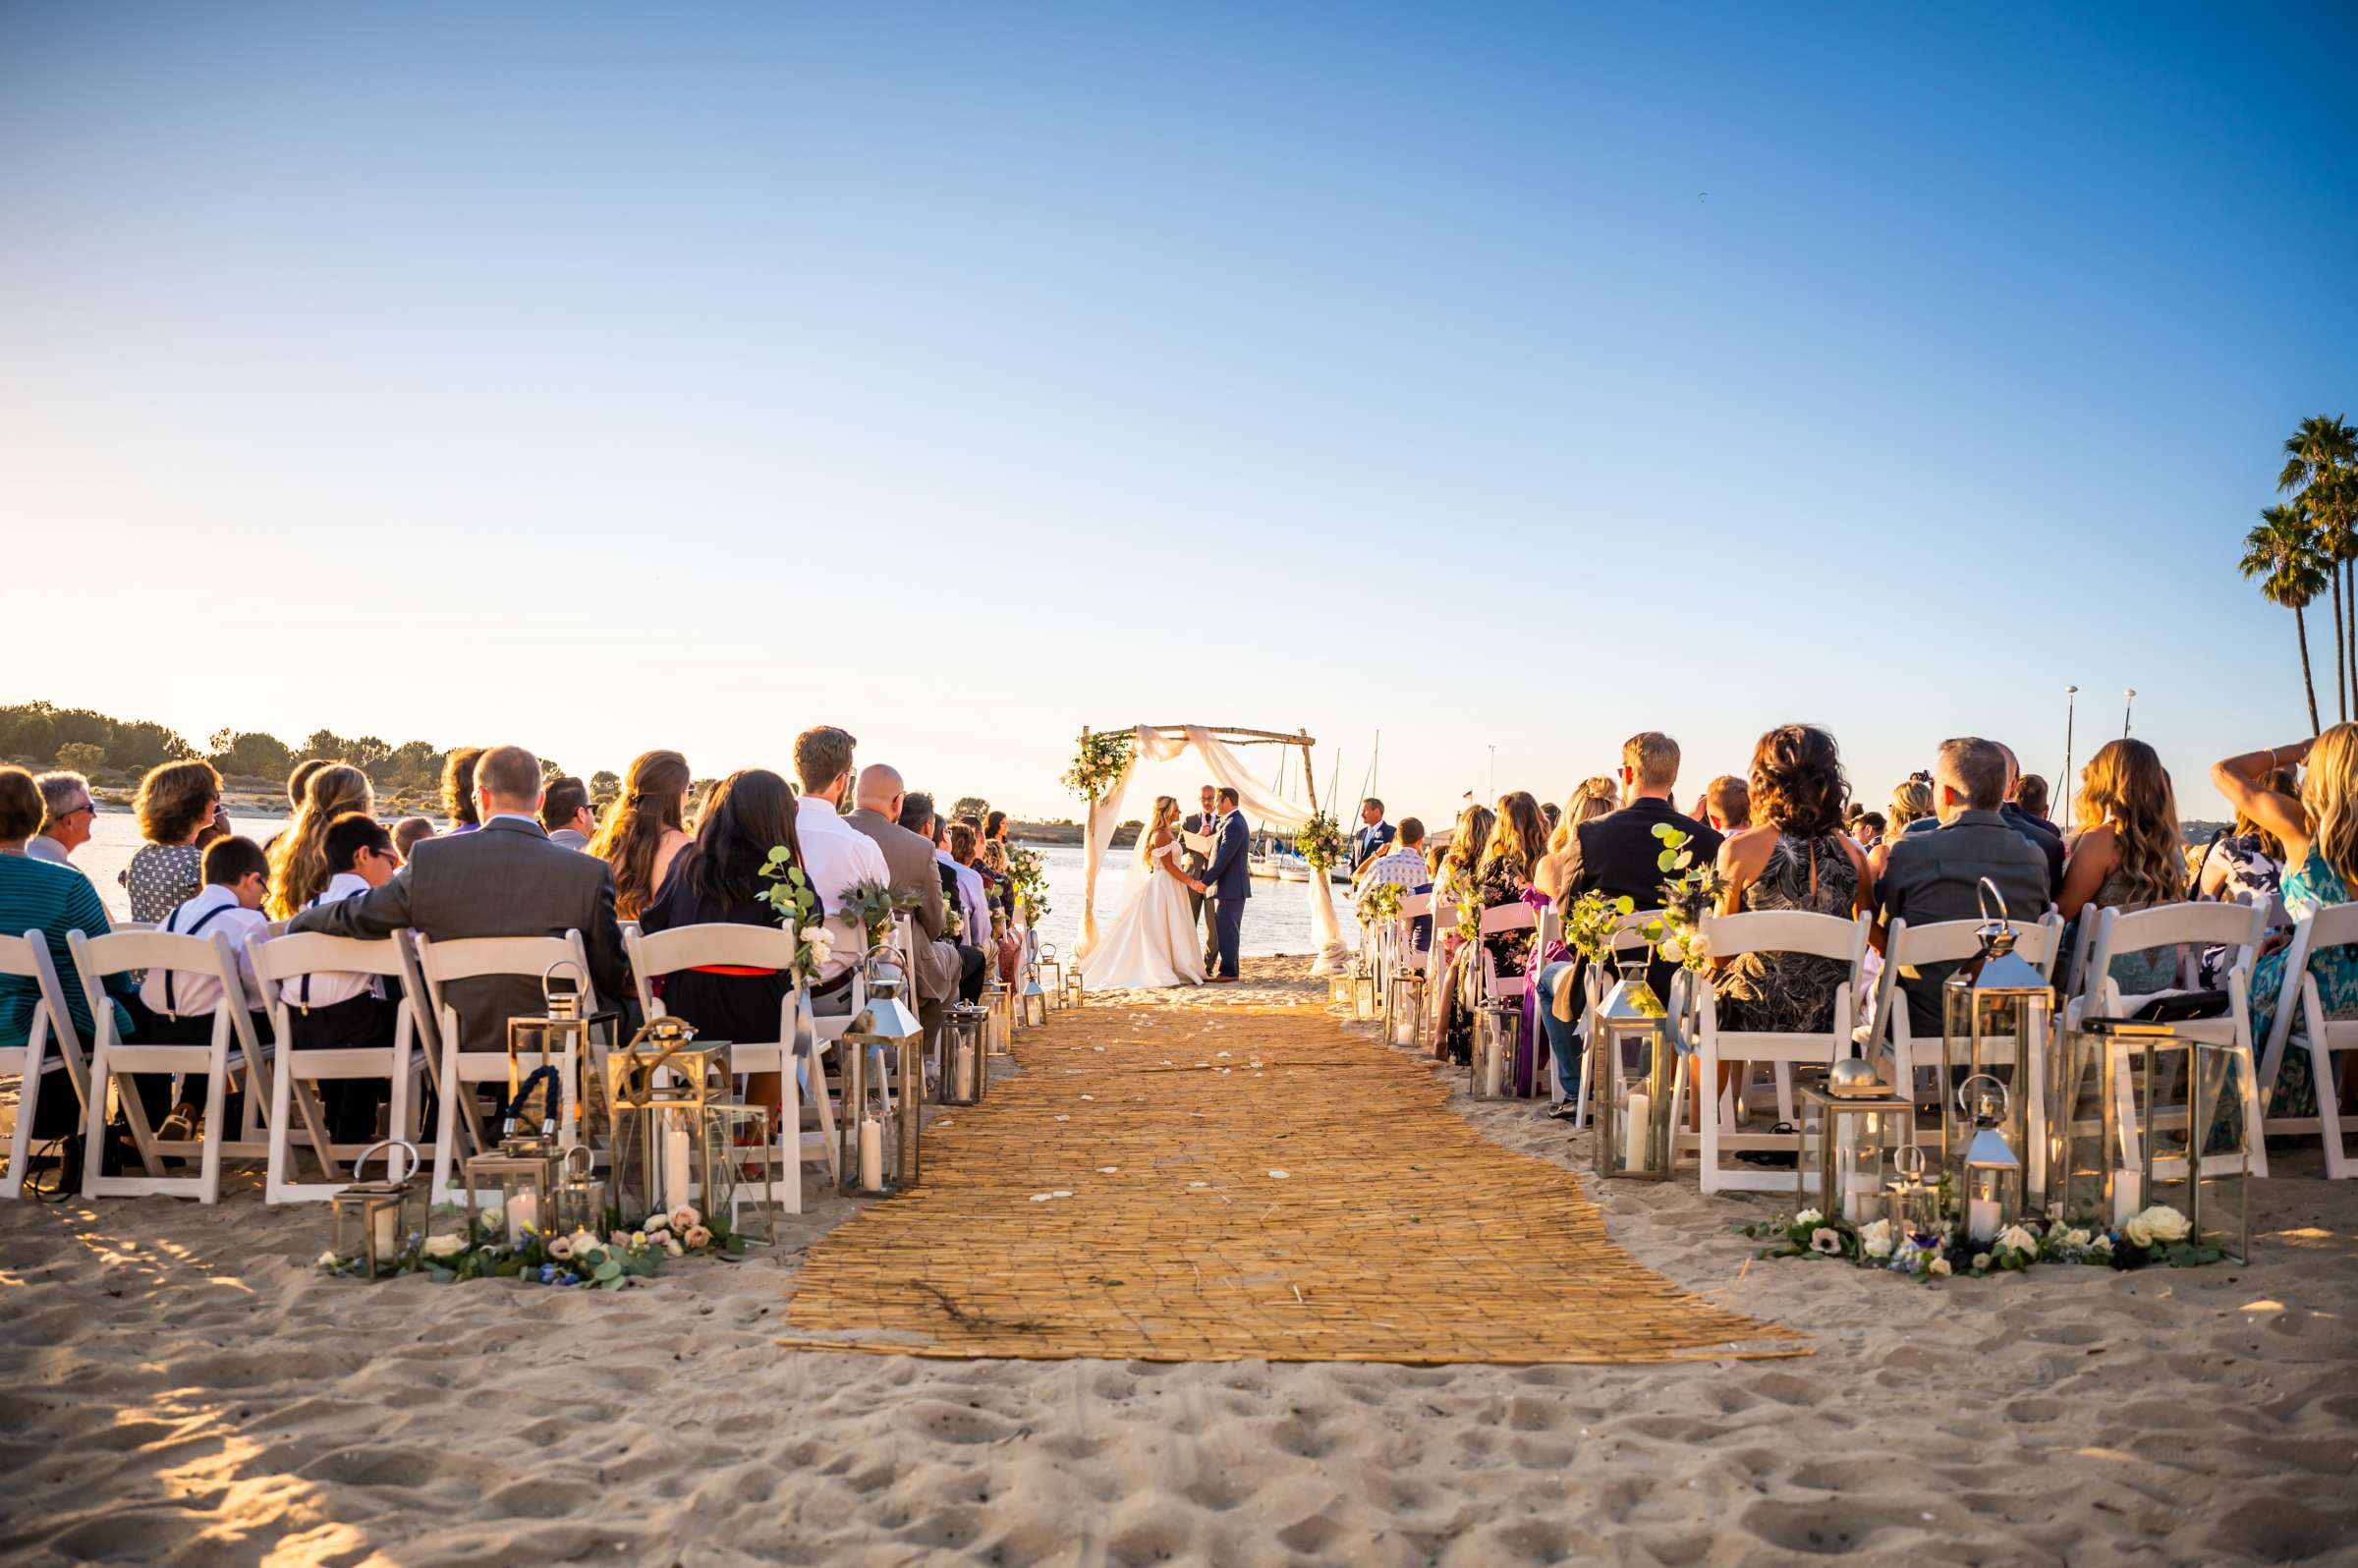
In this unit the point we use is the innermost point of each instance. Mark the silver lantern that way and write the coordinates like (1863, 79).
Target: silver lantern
(373, 1225)
(1633, 1070)
(885, 1030)
(1845, 1142)
(1994, 997)
(960, 1076)
(1989, 1176)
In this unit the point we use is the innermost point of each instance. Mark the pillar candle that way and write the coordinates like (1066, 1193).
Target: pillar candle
(871, 1154)
(2128, 1195)
(962, 1077)
(386, 1223)
(523, 1209)
(1980, 1220)
(1633, 1118)
(675, 1174)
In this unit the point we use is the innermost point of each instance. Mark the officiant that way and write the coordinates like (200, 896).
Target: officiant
(1194, 854)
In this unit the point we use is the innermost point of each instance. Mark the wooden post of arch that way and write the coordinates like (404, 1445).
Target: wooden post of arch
(1309, 775)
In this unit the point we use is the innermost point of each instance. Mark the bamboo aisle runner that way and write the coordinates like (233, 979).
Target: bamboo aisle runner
(1122, 1198)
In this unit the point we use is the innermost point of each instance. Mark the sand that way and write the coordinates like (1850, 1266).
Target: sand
(178, 1385)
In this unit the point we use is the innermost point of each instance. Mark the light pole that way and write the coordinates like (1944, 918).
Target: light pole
(2128, 700)
(1493, 770)
(2071, 702)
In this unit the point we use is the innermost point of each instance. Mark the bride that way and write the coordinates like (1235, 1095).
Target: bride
(1154, 941)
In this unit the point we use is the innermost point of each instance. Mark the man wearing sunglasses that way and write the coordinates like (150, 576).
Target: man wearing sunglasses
(67, 811)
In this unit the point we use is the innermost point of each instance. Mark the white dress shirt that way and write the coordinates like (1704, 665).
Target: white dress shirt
(973, 904)
(330, 987)
(41, 847)
(184, 994)
(835, 857)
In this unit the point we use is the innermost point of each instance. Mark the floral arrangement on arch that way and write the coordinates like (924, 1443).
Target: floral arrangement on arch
(1380, 901)
(1031, 876)
(1319, 840)
(1101, 759)
(582, 1258)
(791, 897)
(2158, 1235)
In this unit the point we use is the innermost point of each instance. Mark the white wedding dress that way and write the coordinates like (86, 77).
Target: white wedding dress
(1155, 942)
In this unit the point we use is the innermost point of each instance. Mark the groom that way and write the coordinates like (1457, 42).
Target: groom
(1228, 882)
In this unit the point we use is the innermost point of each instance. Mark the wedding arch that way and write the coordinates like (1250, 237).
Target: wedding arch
(1211, 745)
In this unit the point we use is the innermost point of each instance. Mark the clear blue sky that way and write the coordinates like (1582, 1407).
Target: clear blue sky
(614, 376)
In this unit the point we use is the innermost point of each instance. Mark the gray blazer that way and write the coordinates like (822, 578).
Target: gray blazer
(917, 874)
(1935, 876)
(506, 880)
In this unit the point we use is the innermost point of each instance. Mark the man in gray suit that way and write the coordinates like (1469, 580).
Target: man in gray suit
(1936, 876)
(506, 880)
(879, 795)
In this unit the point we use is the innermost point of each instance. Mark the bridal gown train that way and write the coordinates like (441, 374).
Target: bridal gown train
(1155, 943)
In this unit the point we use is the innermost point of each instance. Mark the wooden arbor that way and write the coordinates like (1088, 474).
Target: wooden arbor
(1238, 735)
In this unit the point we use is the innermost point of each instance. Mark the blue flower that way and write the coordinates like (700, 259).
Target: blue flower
(548, 1274)
(569, 1279)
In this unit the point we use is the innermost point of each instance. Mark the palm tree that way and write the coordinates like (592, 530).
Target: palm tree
(2282, 551)
(2320, 464)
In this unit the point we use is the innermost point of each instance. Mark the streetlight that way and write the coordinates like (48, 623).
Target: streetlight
(2071, 699)
(1493, 770)
(2128, 700)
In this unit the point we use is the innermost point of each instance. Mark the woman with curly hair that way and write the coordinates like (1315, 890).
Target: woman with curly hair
(645, 827)
(299, 869)
(176, 803)
(2125, 855)
(458, 788)
(1794, 857)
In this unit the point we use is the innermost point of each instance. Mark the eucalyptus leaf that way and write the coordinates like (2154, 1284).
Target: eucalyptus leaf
(1665, 860)
(1663, 830)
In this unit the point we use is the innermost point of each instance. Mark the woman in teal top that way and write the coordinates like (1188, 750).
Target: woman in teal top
(2319, 832)
(37, 896)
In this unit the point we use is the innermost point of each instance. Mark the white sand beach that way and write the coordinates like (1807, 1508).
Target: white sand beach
(179, 1386)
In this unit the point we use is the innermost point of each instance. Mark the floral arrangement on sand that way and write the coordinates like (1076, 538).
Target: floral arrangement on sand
(2158, 1235)
(582, 1257)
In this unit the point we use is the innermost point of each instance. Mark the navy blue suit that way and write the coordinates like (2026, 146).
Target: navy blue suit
(1231, 883)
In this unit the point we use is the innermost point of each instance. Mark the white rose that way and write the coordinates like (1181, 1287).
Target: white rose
(1876, 1240)
(2017, 1238)
(327, 1260)
(2163, 1224)
(672, 1246)
(2140, 1230)
(1699, 945)
(2075, 1237)
(1981, 1262)
(1940, 1266)
(1808, 1216)
(1672, 951)
(444, 1246)
(492, 1217)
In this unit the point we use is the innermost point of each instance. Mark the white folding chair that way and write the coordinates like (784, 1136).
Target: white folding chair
(473, 958)
(26, 957)
(802, 1073)
(1769, 932)
(1912, 947)
(1497, 987)
(2189, 929)
(1413, 906)
(2335, 926)
(1628, 937)
(280, 959)
(231, 1047)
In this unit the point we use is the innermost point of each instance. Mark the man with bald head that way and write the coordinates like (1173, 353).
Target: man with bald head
(878, 799)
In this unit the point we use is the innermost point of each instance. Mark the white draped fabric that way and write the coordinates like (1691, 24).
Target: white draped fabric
(1256, 802)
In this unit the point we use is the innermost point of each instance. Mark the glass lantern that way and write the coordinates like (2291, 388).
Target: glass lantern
(1845, 1140)
(658, 1088)
(1033, 1000)
(2193, 1141)
(959, 1077)
(1995, 1011)
(1072, 987)
(1633, 1069)
(1364, 993)
(1498, 1040)
(1989, 1172)
(559, 1037)
(1338, 987)
(1404, 1007)
(373, 1225)
(2074, 1179)
(731, 1130)
(867, 1155)
(519, 1177)
(999, 1039)
(581, 1202)
(885, 1028)
(1051, 973)
(1911, 1203)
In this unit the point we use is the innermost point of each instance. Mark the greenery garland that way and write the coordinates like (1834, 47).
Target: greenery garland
(1104, 756)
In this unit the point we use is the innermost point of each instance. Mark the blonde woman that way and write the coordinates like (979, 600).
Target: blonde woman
(2318, 830)
(645, 829)
(1593, 799)
(1154, 941)
(998, 879)
(298, 870)
(175, 804)
(1911, 801)
(2125, 855)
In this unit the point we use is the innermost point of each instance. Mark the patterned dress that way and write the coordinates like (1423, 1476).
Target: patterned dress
(161, 878)
(2253, 877)
(2308, 888)
(1791, 994)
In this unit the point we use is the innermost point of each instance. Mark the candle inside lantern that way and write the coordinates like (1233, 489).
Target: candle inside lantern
(1493, 1068)
(871, 1154)
(2128, 1195)
(1980, 1220)
(674, 1193)
(962, 1076)
(385, 1223)
(523, 1209)
(1633, 1118)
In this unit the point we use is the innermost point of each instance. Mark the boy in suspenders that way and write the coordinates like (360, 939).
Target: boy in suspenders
(330, 1010)
(177, 1005)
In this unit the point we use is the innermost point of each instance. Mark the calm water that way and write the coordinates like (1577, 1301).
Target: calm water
(1277, 919)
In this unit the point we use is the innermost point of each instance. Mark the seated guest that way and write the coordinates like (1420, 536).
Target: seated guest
(344, 1011)
(2030, 793)
(957, 842)
(2245, 867)
(176, 801)
(2041, 832)
(177, 1006)
(565, 813)
(835, 856)
(67, 811)
(1794, 857)
(408, 834)
(458, 789)
(718, 881)
(299, 782)
(645, 827)
(1595, 798)
(2125, 856)
(1403, 865)
(37, 895)
(1618, 854)
(299, 867)
(878, 797)
(2318, 829)
(1375, 834)
(999, 876)
(919, 816)
(505, 879)
(1517, 841)
(1928, 877)
(1871, 829)
(1911, 810)
(1727, 804)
